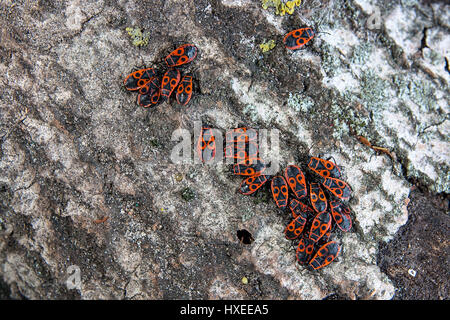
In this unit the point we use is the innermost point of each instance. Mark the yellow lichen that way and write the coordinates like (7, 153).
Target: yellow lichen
(139, 39)
(290, 4)
(266, 46)
(281, 7)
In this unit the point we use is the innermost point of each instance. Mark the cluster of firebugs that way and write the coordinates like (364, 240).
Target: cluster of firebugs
(312, 213)
(154, 89)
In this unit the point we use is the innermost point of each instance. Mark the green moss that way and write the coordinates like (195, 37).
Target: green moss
(155, 143)
(187, 194)
(281, 7)
(138, 38)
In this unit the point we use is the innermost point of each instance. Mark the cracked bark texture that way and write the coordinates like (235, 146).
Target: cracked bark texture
(75, 147)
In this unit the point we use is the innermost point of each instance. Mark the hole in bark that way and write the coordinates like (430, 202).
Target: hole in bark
(244, 236)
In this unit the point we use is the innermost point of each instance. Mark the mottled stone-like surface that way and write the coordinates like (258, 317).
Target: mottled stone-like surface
(76, 148)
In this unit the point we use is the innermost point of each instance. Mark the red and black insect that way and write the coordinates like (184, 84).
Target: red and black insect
(181, 55)
(296, 39)
(155, 88)
(169, 82)
(317, 196)
(337, 187)
(325, 255)
(320, 225)
(184, 90)
(298, 208)
(206, 145)
(341, 215)
(241, 135)
(327, 236)
(241, 150)
(324, 168)
(149, 94)
(249, 167)
(295, 227)
(241, 147)
(253, 183)
(296, 181)
(138, 79)
(304, 250)
(317, 230)
(312, 222)
(280, 191)
(241, 144)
